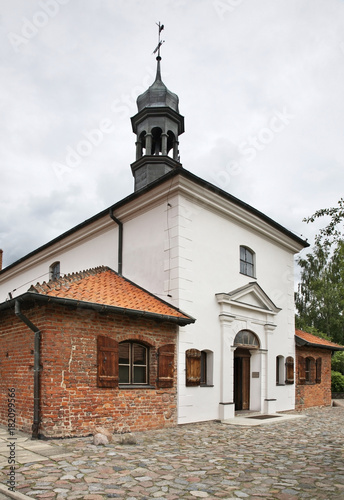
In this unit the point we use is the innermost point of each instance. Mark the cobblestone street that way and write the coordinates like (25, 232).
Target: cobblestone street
(283, 460)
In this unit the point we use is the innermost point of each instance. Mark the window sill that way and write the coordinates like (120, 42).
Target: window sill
(206, 385)
(280, 385)
(136, 386)
(244, 274)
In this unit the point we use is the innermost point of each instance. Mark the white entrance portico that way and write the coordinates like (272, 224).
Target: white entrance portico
(246, 322)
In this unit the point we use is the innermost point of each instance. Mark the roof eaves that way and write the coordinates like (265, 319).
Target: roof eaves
(33, 296)
(302, 342)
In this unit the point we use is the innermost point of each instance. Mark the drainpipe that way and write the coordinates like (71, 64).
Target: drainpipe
(120, 241)
(36, 369)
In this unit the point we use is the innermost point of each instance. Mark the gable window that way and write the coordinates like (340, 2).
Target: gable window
(54, 271)
(132, 363)
(247, 259)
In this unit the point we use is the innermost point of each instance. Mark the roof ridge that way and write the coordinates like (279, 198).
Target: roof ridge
(102, 285)
(66, 279)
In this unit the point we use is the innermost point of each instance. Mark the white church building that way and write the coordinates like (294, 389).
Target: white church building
(197, 247)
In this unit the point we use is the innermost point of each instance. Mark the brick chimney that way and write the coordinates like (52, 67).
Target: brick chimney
(1, 252)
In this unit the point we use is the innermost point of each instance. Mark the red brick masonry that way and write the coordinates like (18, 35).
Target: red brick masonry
(313, 393)
(71, 403)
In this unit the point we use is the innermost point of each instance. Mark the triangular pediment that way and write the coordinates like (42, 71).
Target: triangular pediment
(251, 296)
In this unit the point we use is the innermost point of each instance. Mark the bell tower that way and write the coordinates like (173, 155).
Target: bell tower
(157, 126)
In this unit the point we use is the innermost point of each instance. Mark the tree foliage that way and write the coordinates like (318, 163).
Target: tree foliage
(320, 297)
(337, 382)
(337, 362)
(333, 232)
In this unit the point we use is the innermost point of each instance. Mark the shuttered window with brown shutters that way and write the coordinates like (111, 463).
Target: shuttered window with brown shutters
(318, 370)
(165, 366)
(193, 367)
(301, 369)
(310, 370)
(289, 369)
(107, 362)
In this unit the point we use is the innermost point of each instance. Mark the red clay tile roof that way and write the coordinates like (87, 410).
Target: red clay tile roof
(317, 341)
(104, 286)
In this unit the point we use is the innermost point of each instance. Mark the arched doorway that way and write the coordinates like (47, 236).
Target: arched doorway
(244, 342)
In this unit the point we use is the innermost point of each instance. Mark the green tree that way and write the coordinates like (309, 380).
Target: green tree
(333, 231)
(337, 382)
(337, 362)
(320, 297)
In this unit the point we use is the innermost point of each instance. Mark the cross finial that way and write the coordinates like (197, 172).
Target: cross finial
(160, 42)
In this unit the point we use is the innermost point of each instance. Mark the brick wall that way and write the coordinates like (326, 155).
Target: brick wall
(16, 369)
(71, 402)
(313, 394)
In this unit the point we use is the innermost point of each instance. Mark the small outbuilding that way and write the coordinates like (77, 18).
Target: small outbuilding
(89, 349)
(313, 377)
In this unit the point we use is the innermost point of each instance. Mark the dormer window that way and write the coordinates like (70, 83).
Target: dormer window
(247, 261)
(54, 271)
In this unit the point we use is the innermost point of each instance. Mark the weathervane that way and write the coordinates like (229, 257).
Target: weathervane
(157, 49)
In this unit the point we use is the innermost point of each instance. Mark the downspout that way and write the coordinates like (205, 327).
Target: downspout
(36, 369)
(120, 241)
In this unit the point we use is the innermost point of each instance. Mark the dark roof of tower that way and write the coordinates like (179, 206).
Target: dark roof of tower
(158, 95)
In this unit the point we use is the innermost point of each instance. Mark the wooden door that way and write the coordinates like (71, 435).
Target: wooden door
(242, 379)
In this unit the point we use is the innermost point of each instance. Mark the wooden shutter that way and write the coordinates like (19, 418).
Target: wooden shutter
(107, 357)
(301, 361)
(318, 370)
(193, 367)
(166, 366)
(289, 370)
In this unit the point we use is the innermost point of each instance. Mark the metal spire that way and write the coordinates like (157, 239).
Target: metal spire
(160, 42)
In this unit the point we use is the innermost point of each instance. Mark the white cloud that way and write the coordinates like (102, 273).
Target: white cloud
(231, 72)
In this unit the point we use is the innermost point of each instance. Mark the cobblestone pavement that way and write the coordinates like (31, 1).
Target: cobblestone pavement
(285, 460)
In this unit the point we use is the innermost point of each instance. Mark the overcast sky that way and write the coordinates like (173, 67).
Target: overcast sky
(260, 84)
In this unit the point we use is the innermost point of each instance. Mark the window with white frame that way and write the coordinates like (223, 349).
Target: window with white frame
(247, 261)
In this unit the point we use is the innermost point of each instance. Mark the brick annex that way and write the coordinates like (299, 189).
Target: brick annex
(110, 363)
(313, 370)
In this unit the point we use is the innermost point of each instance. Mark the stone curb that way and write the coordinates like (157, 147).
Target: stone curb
(338, 402)
(13, 494)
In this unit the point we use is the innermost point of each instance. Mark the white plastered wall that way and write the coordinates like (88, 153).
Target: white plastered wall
(210, 264)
